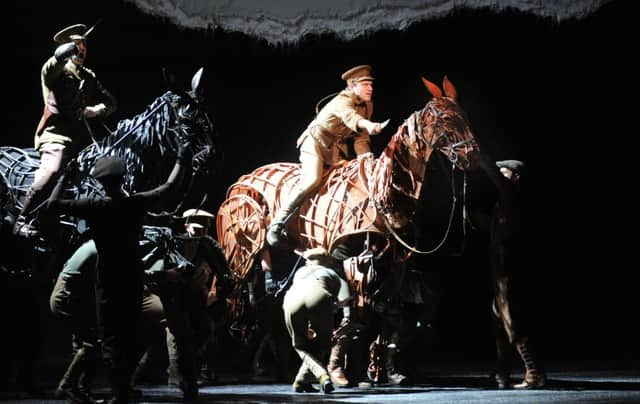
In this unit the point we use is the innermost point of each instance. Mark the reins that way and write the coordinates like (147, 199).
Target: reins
(449, 223)
(453, 158)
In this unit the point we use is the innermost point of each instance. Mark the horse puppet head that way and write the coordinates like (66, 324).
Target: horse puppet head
(441, 125)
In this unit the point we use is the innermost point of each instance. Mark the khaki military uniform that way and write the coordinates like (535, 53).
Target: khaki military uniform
(73, 299)
(334, 124)
(323, 144)
(310, 304)
(188, 321)
(508, 262)
(67, 89)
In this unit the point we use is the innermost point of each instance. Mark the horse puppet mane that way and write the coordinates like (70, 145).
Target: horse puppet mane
(138, 141)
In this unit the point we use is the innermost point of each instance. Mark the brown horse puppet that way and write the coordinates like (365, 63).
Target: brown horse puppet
(367, 203)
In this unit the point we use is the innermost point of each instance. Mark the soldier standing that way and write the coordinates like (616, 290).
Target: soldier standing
(507, 251)
(73, 299)
(120, 271)
(187, 298)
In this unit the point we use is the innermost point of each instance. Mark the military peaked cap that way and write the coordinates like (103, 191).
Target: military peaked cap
(76, 31)
(358, 73)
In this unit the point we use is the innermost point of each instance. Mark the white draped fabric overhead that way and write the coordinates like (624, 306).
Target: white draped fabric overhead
(286, 21)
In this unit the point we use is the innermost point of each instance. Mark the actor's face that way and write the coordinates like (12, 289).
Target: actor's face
(510, 175)
(82, 51)
(195, 229)
(363, 89)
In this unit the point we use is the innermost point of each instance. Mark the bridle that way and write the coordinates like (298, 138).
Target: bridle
(453, 158)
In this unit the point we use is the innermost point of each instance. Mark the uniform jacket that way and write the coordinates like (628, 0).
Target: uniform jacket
(336, 122)
(66, 89)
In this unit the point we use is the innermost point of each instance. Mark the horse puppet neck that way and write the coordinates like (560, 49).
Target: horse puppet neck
(396, 182)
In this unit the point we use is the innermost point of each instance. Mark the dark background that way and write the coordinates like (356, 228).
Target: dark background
(561, 96)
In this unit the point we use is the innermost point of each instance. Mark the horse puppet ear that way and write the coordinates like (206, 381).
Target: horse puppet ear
(449, 89)
(195, 82)
(433, 89)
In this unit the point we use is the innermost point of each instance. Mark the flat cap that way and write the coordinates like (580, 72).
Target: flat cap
(197, 213)
(197, 217)
(358, 73)
(72, 32)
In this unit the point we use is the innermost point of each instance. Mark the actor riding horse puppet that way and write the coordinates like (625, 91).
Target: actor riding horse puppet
(147, 143)
(360, 211)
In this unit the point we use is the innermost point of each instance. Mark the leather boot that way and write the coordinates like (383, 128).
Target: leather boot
(21, 227)
(182, 370)
(325, 384)
(337, 363)
(187, 369)
(173, 374)
(276, 234)
(502, 375)
(393, 376)
(68, 386)
(376, 370)
(85, 380)
(120, 388)
(303, 387)
(144, 372)
(534, 376)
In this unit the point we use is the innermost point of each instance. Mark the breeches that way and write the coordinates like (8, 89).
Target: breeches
(312, 167)
(189, 325)
(74, 301)
(304, 306)
(152, 318)
(503, 320)
(52, 156)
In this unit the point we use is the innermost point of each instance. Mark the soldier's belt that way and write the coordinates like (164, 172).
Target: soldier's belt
(320, 135)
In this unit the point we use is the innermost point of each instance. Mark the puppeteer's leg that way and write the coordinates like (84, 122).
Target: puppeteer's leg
(337, 361)
(503, 331)
(502, 370)
(534, 376)
(68, 386)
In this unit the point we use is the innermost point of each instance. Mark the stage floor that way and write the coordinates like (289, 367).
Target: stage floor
(564, 386)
